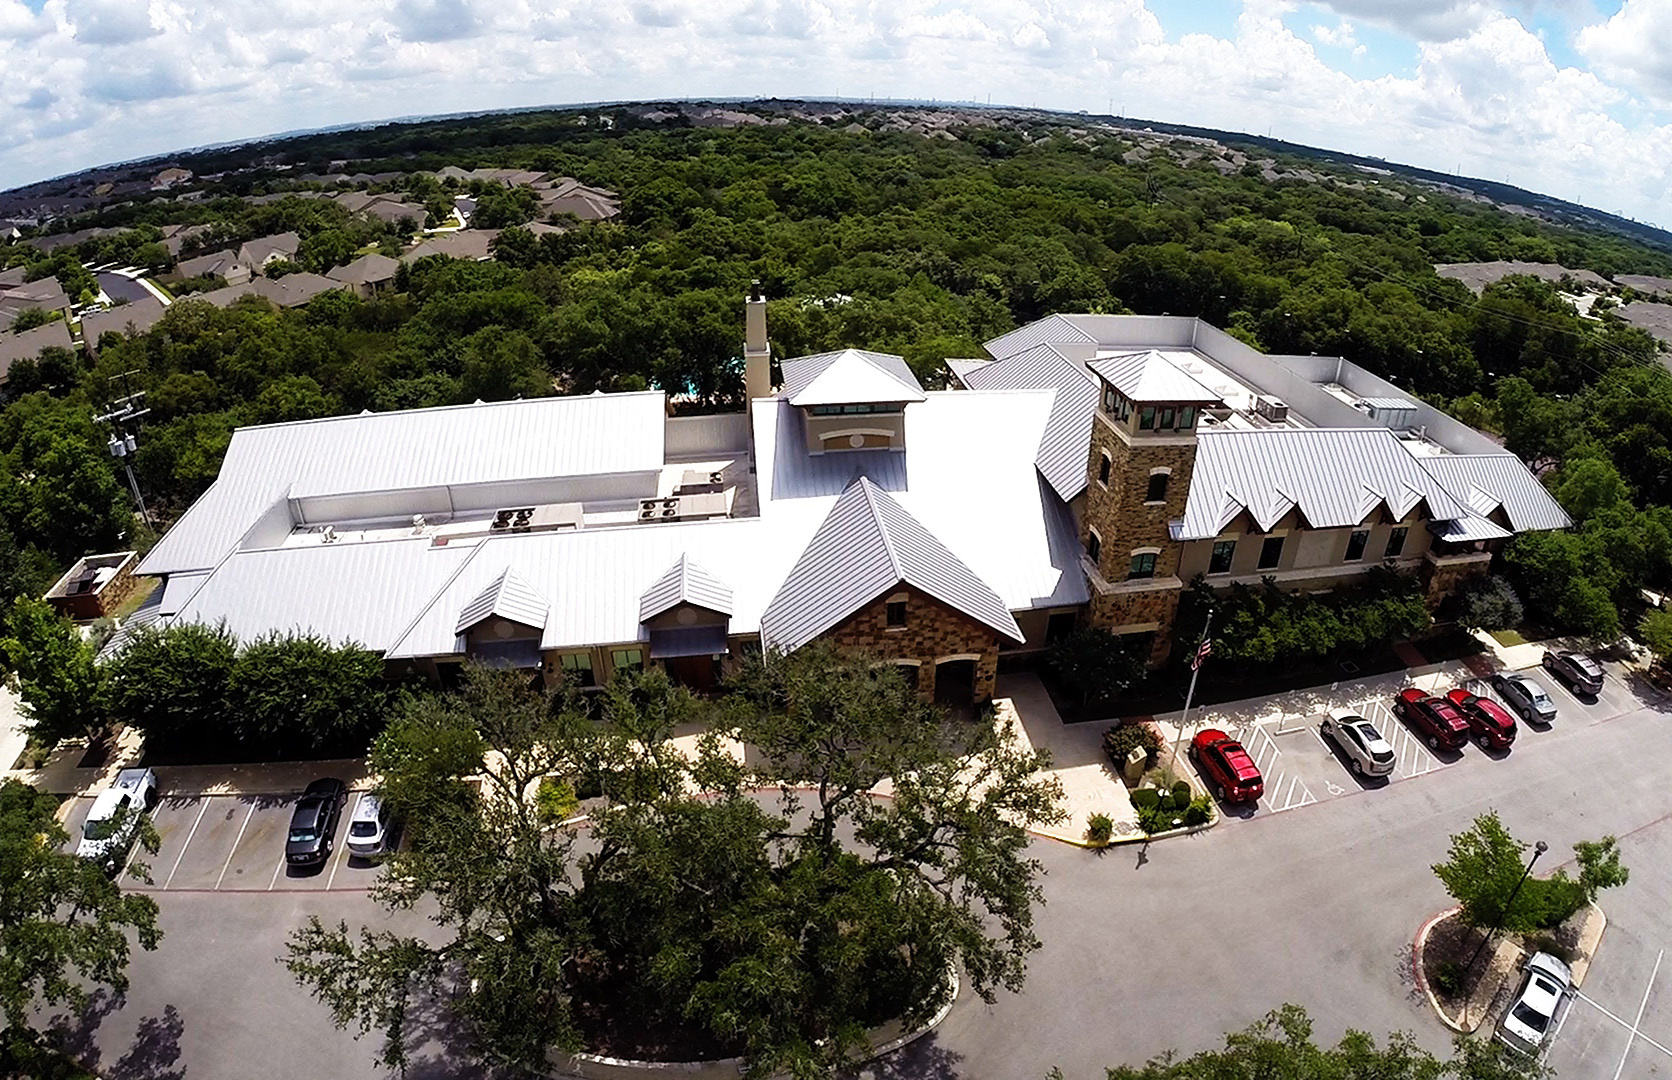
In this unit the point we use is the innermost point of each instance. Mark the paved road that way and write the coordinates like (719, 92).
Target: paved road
(1143, 951)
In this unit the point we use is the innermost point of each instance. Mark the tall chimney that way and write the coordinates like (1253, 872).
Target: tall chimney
(757, 355)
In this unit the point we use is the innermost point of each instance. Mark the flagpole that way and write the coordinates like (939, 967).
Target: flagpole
(1190, 695)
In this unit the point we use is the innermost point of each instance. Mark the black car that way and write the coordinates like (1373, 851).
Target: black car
(314, 822)
(1580, 672)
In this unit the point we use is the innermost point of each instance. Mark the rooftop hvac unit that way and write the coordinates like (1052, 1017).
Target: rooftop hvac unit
(648, 513)
(328, 535)
(1273, 409)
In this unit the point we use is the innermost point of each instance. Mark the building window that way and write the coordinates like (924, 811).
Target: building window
(1396, 543)
(1143, 565)
(896, 614)
(1187, 417)
(854, 410)
(1060, 625)
(1223, 552)
(1103, 468)
(578, 668)
(1157, 488)
(910, 673)
(1271, 553)
(1111, 404)
(1146, 419)
(1094, 547)
(627, 659)
(1355, 544)
(1166, 421)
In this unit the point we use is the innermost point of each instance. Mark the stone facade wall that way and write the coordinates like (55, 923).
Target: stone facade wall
(1115, 610)
(1444, 576)
(933, 631)
(1123, 520)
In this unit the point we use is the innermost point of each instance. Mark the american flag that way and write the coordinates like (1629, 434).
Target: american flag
(1202, 653)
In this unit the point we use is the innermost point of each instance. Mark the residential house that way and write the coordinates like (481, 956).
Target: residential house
(130, 319)
(367, 275)
(170, 177)
(176, 236)
(28, 344)
(575, 199)
(43, 293)
(292, 290)
(257, 253)
(1092, 465)
(474, 245)
(222, 264)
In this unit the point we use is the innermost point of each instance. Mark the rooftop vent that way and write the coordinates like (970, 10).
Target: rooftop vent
(1274, 410)
(697, 507)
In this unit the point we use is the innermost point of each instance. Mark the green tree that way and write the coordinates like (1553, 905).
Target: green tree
(1655, 631)
(1489, 603)
(173, 683)
(1094, 664)
(1486, 863)
(65, 925)
(500, 365)
(62, 688)
(298, 692)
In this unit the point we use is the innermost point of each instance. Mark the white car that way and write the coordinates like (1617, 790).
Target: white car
(1527, 1022)
(368, 827)
(114, 819)
(1367, 752)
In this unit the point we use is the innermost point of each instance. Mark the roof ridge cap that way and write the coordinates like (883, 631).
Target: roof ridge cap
(869, 491)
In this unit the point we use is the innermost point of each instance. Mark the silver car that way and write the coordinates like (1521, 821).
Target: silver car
(1525, 698)
(1367, 752)
(368, 828)
(1529, 1020)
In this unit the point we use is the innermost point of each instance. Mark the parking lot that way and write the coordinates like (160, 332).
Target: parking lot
(1301, 766)
(235, 843)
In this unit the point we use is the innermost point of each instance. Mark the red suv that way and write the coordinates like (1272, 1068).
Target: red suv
(1435, 718)
(1492, 724)
(1227, 766)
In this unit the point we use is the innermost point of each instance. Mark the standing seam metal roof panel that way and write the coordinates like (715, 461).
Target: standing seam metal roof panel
(685, 583)
(849, 377)
(867, 544)
(509, 597)
(1507, 481)
(1053, 329)
(1065, 447)
(1149, 376)
(1332, 476)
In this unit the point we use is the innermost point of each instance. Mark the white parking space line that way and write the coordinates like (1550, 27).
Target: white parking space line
(235, 843)
(1580, 995)
(337, 859)
(201, 811)
(274, 880)
(1411, 757)
(1285, 790)
(1635, 1024)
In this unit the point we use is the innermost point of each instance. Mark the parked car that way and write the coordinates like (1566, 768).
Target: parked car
(314, 822)
(113, 821)
(1492, 724)
(368, 827)
(1525, 698)
(1227, 766)
(1367, 752)
(1436, 719)
(1525, 1025)
(1580, 672)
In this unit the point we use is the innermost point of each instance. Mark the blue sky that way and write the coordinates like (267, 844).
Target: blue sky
(1569, 97)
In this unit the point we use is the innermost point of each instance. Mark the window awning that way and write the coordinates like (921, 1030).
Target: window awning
(687, 641)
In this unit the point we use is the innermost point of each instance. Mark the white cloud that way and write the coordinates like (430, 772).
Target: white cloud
(97, 80)
(1634, 47)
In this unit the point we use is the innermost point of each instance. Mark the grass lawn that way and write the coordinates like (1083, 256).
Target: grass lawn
(1508, 637)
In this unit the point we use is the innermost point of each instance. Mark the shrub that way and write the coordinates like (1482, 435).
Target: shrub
(1199, 812)
(1155, 820)
(1449, 979)
(1120, 740)
(1093, 664)
(1489, 603)
(1145, 798)
(1100, 828)
(555, 801)
(1182, 794)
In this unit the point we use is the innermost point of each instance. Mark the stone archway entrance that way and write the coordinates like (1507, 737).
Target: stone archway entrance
(955, 682)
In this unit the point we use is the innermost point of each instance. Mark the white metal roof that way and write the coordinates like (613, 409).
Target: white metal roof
(1491, 481)
(1334, 476)
(867, 545)
(849, 377)
(685, 583)
(1150, 376)
(509, 597)
(1064, 446)
(418, 448)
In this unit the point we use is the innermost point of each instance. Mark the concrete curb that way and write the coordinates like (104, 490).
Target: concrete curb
(1422, 979)
(1123, 841)
(1588, 949)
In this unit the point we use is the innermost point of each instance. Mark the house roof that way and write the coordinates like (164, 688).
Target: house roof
(509, 597)
(471, 244)
(366, 270)
(28, 344)
(293, 290)
(685, 583)
(960, 367)
(450, 446)
(216, 263)
(849, 377)
(280, 245)
(134, 318)
(1064, 447)
(1334, 477)
(1149, 376)
(867, 545)
(1489, 482)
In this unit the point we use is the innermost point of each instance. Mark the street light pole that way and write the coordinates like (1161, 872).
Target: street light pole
(1538, 849)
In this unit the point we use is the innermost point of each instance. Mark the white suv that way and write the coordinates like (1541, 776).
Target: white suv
(1528, 1020)
(114, 819)
(1367, 752)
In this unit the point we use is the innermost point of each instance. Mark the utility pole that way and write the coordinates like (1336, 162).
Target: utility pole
(123, 417)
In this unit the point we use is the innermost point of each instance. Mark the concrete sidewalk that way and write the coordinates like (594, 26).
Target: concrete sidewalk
(1089, 782)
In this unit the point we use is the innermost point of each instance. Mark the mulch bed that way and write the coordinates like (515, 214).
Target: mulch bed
(1449, 946)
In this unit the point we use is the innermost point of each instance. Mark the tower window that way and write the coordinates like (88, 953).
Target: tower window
(1157, 488)
(1187, 417)
(1103, 468)
(1146, 418)
(1094, 547)
(1166, 421)
(1143, 565)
